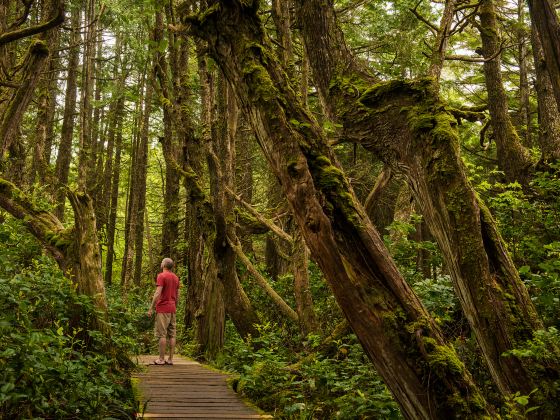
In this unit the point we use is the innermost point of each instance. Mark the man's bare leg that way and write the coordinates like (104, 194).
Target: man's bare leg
(162, 344)
(171, 348)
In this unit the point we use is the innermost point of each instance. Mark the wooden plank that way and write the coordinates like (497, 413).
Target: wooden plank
(188, 390)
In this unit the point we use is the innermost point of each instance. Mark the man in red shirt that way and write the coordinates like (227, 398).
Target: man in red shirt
(165, 301)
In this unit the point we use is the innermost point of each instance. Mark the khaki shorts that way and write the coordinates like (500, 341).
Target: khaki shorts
(165, 326)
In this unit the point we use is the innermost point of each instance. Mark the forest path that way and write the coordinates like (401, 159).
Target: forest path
(188, 390)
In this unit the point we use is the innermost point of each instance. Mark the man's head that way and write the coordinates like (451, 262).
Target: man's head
(167, 264)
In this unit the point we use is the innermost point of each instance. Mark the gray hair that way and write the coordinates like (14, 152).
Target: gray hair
(167, 263)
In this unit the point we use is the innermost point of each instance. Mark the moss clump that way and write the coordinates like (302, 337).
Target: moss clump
(61, 239)
(443, 359)
(419, 89)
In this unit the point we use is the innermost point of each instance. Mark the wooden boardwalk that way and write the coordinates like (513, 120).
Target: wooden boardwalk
(188, 390)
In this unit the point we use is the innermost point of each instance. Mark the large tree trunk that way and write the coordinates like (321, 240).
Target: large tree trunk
(396, 331)
(513, 158)
(544, 17)
(17, 103)
(406, 126)
(76, 250)
(549, 117)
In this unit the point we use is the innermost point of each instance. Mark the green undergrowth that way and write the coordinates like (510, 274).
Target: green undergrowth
(51, 364)
(336, 381)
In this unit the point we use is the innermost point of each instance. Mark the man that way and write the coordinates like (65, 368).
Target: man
(165, 301)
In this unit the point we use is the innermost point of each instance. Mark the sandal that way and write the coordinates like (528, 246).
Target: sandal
(160, 362)
(169, 362)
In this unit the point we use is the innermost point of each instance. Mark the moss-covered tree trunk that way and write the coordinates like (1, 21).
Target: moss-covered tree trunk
(513, 158)
(397, 333)
(76, 249)
(548, 136)
(544, 17)
(407, 126)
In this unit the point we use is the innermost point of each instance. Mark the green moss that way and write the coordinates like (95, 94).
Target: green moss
(60, 239)
(418, 89)
(443, 358)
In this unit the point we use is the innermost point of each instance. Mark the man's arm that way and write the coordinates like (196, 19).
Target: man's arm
(157, 294)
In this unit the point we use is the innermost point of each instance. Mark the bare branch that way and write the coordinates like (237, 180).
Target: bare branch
(433, 28)
(271, 226)
(261, 281)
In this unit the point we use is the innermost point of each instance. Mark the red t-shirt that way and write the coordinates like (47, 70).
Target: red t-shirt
(167, 302)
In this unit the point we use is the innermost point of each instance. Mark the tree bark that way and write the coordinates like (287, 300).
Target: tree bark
(548, 136)
(544, 17)
(396, 331)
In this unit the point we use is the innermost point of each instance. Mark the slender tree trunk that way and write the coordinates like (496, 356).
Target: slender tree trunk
(395, 330)
(114, 196)
(116, 109)
(442, 40)
(140, 173)
(244, 175)
(178, 53)
(64, 156)
(524, 113)
(131, 207)
(86, 159)
(513, 158)
(45, 113)
(304, 299)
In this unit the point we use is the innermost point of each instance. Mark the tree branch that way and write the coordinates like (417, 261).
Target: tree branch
(433, 28)
(261, 281)
(23, 33)
(270, 225)
(42, 224)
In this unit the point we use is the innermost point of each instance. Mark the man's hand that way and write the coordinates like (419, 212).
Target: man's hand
(150, 312)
